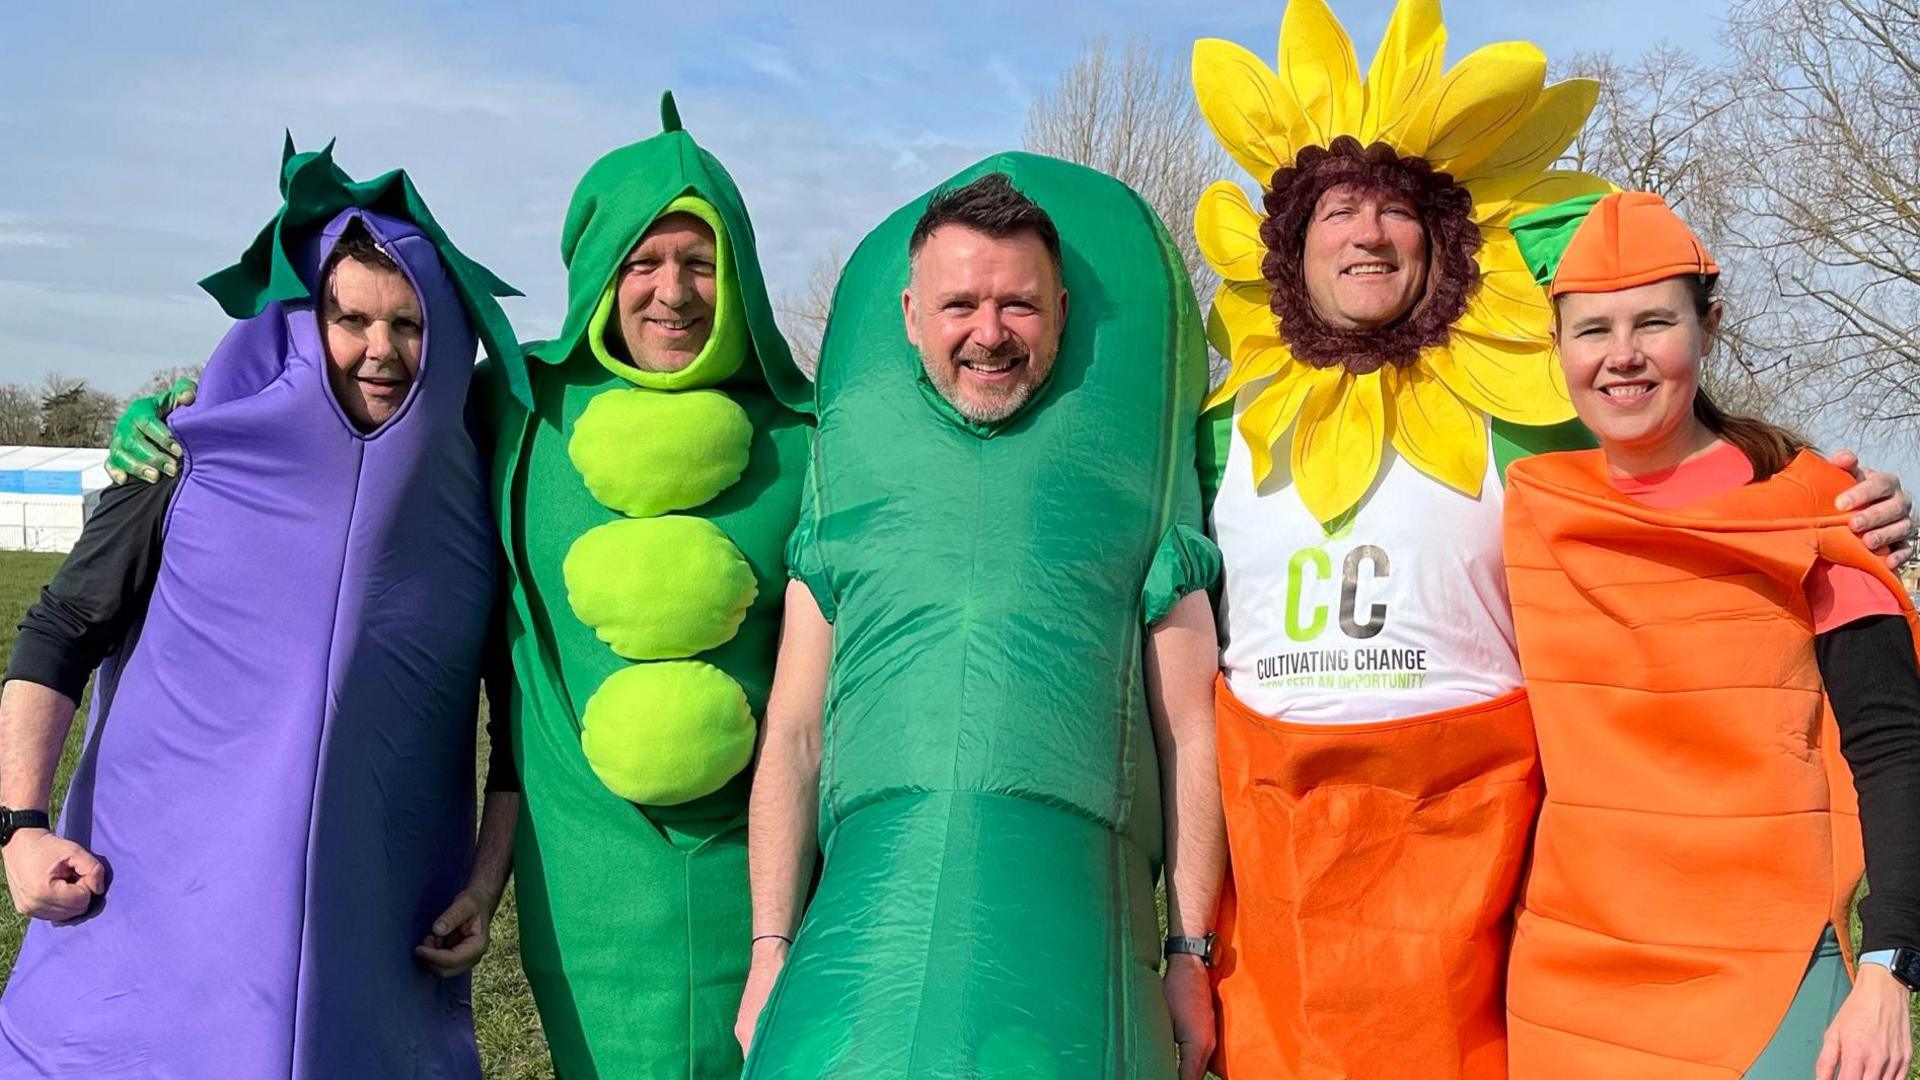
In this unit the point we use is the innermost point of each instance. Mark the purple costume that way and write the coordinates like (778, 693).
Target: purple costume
(279, 764)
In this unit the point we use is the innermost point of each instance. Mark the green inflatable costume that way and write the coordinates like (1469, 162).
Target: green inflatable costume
(646, 516)
(989, 796)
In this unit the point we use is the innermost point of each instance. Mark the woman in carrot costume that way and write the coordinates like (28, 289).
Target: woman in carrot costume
(1717, 667)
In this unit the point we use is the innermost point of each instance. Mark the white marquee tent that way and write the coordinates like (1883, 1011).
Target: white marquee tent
(45, 493)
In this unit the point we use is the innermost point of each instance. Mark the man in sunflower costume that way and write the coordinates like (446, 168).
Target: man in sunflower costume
(1389, 357)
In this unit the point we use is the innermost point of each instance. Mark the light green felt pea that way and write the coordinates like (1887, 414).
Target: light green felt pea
(666, 733)
(647, 452)
(659, 588)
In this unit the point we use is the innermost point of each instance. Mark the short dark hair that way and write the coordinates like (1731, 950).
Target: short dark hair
(357, 243)
(989, 205)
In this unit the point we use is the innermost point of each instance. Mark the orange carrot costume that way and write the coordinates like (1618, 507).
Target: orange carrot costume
(1699, 831)
(1383, 855)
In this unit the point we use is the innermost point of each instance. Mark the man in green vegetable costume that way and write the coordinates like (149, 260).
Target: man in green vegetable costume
(1001, 555)
(644, 501)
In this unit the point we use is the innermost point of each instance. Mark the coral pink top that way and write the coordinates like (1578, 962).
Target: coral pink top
(1837, 594)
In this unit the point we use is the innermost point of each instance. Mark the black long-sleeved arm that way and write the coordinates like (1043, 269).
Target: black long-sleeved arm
(1873, 681)
(496, 672)
(98, 594)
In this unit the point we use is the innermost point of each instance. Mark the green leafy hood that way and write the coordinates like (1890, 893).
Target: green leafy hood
(617, 199)
(315, 189)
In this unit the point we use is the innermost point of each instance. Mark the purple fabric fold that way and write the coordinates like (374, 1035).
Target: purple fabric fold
(279, 764)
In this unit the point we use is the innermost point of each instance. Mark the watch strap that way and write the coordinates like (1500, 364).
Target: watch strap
(1201, 947)
(12, 821)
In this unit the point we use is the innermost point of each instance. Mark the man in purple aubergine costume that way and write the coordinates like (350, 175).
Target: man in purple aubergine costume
(266, 865)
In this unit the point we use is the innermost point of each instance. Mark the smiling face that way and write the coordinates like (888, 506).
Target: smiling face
(374, 331)
(1632, 360)
(667, 287)
(1365, 258)
(986, 315)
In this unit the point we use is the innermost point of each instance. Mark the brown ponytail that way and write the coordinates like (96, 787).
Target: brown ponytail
(1769, 447)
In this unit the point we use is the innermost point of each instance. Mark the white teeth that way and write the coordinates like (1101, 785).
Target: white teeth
(1370, 268)
(1627, 390)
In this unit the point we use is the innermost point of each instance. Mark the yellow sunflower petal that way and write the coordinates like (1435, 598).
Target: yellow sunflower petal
(1506, 304)
(1253, 360)
(1558, 116)
(1499, 199)
(1265, 422)
(1318, 65)
(1228, 229)
(1518, 383)
(1484, 100)
(1255, 118)
(1337, 443)
(1242, 306)
(1436, 432)
(1412, 53)
(1216, 331)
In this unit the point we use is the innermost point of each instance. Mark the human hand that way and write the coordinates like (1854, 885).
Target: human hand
(1885, 517)
(769, 956)
(51, 877)
(142, 445)
(1189, 993)
(458, 937)
(1871, 1038)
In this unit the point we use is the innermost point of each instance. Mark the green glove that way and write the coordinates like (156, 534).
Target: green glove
(142, 445)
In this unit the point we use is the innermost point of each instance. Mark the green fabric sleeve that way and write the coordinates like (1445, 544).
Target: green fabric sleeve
(1186, 562)
(1211, 442)
(1511, 442)
(805, 562)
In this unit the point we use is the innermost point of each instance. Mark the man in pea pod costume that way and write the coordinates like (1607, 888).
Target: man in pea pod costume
(1005, 598)
(645, 502)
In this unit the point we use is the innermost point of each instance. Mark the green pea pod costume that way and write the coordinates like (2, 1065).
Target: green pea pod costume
(646, 517)
(990, 800)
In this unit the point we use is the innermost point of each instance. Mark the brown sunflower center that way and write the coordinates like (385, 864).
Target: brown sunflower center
(1444, 209)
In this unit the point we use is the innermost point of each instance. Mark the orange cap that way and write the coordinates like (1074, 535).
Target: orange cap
(1629, 238)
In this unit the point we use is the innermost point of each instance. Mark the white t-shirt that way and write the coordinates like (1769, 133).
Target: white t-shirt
(1405, 612)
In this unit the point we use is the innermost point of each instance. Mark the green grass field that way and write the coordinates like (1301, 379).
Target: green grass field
(511, 1044)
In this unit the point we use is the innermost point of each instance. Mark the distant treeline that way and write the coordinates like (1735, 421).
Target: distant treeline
(61, 410)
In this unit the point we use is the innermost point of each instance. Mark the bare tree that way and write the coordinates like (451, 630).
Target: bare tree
(73, 413)
(19, 416)
(1824, 137)
(1130, 113)
(163, 379)
(1653, 127)
(804, 313)
(1660, 125)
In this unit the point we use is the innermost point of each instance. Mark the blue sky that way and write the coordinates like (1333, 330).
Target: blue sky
(142, 140)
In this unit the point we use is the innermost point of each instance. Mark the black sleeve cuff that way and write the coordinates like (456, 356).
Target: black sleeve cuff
(38, 658)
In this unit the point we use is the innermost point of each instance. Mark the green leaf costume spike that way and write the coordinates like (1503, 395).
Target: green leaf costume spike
(990, 801)
(646, 516)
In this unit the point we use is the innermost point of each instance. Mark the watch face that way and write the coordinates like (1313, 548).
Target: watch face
(1906, 967)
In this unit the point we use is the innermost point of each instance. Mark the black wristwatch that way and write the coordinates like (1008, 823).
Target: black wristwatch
(12, 821)
(1906, 967)
(1201, 947)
